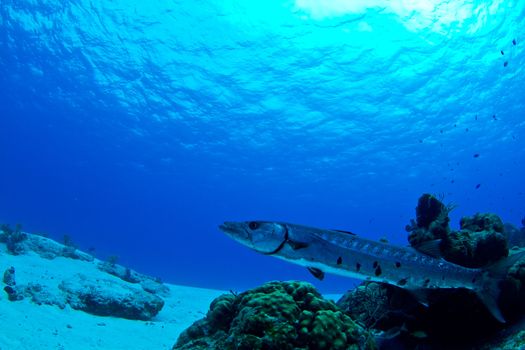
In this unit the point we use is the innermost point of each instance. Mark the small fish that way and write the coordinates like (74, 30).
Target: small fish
(478, 186)
(505, 64)
(476, 155)
(494, 117)
(514, 42)
(419, 334)
(502, 53)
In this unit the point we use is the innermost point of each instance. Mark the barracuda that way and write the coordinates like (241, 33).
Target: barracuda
(345, 254)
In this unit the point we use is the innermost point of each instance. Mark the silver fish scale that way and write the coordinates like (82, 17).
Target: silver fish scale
(402, 255)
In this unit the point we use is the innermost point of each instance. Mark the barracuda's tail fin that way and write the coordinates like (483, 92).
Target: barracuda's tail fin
(492, 276)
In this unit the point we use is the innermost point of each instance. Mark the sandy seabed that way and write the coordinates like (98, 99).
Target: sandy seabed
(26, 325)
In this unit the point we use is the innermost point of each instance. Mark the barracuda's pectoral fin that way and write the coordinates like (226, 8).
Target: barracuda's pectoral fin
(296, 245)
(316, 273)
(431, 248)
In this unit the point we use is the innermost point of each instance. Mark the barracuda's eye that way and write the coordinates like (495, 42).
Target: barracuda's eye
(253, 225)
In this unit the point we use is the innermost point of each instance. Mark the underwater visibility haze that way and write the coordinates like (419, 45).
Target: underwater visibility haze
(137, 127)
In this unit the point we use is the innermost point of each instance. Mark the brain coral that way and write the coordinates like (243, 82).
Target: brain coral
(275, 316)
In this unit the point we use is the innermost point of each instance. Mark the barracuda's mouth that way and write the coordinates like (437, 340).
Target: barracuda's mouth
(260, 236)
(236, 231)
(229, 227)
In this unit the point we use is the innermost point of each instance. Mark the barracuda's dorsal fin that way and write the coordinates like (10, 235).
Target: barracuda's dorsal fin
(317, 273)
(348, 232)
(430, 248)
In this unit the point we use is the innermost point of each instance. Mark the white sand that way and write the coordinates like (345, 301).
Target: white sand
(25, 325)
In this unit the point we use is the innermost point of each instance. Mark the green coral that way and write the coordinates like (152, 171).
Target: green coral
(432, 221)
(13, 238)
(479, 242)
(515, 341)
(275, 316)
(428, 210)
(383, 308)
(482, 222)
(368, 303)
(327, 330)
(221, 312)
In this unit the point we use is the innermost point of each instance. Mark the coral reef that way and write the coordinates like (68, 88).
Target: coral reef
(432, 221)
(9, 277)
(50, 249)
(479, 242)
(109, 298)
(292, 315)
(18, 242)
(132, 295)
(380, 306)
(149, 284)
(36, 292)
(454, 317)
(511, 338)
(277, 315)
(13, 238)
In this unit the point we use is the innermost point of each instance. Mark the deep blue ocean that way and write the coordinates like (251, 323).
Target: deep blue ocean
(137, 127)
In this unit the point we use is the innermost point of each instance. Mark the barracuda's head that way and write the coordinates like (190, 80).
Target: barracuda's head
(262, 236)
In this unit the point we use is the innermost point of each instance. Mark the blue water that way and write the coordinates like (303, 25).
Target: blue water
(137, 127)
